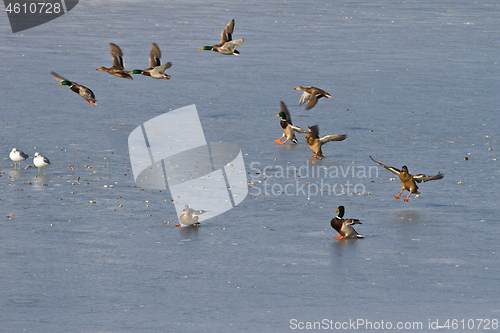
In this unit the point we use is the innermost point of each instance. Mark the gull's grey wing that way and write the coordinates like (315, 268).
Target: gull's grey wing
(419, 178)
(199, 212)
(332, 137)
(391, 169)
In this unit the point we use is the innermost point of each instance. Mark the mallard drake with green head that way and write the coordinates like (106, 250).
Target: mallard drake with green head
(315, 142)
(83, 91)
(118, 68)
(408, 181)
(286, 125)
(156, 70)
(344, 226)
(189, 217)
(227, 44)
(311, 96)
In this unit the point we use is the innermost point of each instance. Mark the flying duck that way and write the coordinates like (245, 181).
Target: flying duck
(118, 68)
(315, 142)
(227, 44)
(286, 125)
(311, 95)
(156, 70)
(408, 181)
(83, 91)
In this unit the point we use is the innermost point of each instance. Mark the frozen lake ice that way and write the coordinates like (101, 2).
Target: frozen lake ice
(84, 249)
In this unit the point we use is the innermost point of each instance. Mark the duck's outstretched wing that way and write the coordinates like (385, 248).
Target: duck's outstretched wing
(117, 56)
(314, 130)
(313, 100)
(154, 56)
(419, 178)
(391, 169)
(162, 68)
(227, 33)
(298, 129)
(284, 109)
(58, 77)
(304, 98)
(332, 137)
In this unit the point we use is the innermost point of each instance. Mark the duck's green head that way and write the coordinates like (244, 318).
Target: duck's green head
(65, 83)
(206, 48)
(136, 71)
(282, 115)
(341, 211)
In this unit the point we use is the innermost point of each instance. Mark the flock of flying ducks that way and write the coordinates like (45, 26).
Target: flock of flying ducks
(155, 70)
(310, 95)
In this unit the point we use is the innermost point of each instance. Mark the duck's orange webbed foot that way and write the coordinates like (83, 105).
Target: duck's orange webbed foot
(315, 156)
(406, 199)
(397, 196)
(339, 237)
(278, 141)
(178, 225)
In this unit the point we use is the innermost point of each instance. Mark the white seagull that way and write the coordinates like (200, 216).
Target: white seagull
(40, 162)
(17, 156)
(189, 217)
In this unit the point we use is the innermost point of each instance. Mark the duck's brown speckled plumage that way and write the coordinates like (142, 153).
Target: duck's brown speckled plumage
(315, 142)
(311, 96)
(118, 68)
(409, 181)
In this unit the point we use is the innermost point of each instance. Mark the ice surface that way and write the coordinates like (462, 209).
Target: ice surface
(413, 83)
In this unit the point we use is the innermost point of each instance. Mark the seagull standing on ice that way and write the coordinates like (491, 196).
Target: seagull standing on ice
(40, 162)
(189, 217)
(17, 156)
